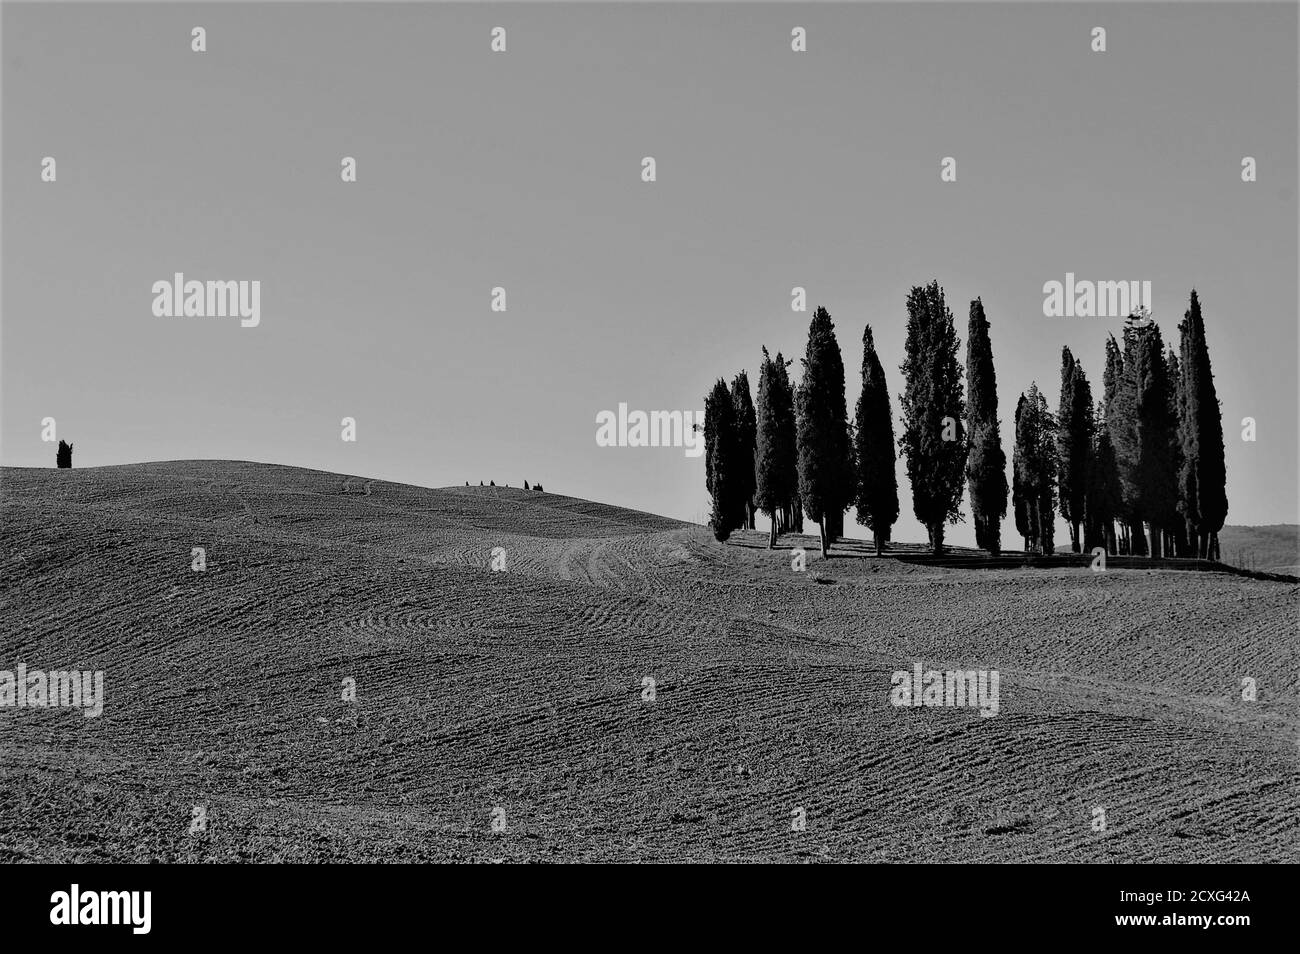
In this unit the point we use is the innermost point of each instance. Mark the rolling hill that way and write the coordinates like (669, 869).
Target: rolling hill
(520, 698)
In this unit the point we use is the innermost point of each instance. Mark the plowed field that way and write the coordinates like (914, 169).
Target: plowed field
(501, 715)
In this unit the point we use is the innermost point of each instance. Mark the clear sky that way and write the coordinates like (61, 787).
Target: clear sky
(523, 170)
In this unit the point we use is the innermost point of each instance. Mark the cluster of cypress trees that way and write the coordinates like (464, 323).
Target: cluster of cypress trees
(805, 457)
(1142, 472)
(1157, 462)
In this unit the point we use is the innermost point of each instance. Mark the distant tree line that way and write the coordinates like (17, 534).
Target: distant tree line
(1140, 472)
(493, 483)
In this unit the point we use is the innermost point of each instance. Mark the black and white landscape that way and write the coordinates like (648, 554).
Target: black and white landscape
(626, 432)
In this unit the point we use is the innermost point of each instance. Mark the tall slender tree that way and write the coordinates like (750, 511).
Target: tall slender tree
(1205, 474)
(1151, 466)
(1175, 533)
(776, 463)
(986, 463)
(1114, 410)
(1103, 499)
(822, 431)
(1034, 469)
(723, 460)
(877, 483)
(1188, 504)
(934, 432)
(1073, 443)
(1127, 437)
(1020, 492)
(746, 435)
(792, 509)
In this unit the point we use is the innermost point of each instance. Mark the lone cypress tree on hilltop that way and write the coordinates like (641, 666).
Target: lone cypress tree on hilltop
(934, 437)
(63, 456)
(822, 428)
(986, 463)
(877, 484)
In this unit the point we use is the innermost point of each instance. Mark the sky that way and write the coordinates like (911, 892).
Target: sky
(523, 170)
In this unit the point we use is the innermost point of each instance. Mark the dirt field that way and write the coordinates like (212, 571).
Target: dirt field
(523, 690)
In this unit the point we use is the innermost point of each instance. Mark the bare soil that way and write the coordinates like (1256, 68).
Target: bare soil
(523, 690)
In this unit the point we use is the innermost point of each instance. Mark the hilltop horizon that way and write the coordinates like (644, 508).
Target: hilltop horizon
(1233, 546)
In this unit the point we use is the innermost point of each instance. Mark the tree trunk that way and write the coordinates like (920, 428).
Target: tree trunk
(771, 535)
(1154, 532)
(880, 543)
(936, 538)
(1214, 545)
(1137, 539)
(826, 546)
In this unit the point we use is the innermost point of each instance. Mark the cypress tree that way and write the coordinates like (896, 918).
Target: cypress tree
(721, 451)
(746, 431)
(63, 456)
(1111, 375)
(1151, 470)
(934, 434)
(1122, 424)
(1048, 468)
(1019, 474)
(877, 483)
(774, 452)
(1034, 469)
(986, 464)
(1187, 444)
(1205, 474)
(1103, 498)
(783, 395)
(1074, 443)
(1176, 507)
(822, 431)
